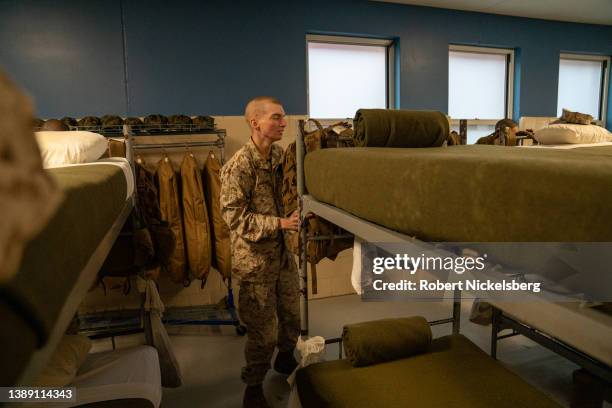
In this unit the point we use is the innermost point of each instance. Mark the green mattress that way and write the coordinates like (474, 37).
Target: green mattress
(454, 373)
(472, 193)
(94, 196)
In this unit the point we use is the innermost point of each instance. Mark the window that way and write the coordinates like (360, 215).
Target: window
(480, 87)
(583, 84)
(346, 74)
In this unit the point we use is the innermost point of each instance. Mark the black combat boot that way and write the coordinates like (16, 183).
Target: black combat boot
(285, 362)
(254, 397)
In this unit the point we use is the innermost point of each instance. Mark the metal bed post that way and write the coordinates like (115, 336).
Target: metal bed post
(463, 131)
(231, 306)
(495, 329)
(303, 272)
(456, 311)
(129, 155)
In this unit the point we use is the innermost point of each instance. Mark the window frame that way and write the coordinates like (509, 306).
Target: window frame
(605, 73)
(509, 86)
(390, 80)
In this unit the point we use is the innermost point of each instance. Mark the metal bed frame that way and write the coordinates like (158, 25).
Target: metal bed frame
(502, 321)
(366, 230)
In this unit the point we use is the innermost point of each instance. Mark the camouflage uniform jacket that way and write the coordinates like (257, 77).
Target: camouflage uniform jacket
(251, 204)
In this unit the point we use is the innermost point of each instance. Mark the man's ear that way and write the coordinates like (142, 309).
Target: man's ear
(254, 123)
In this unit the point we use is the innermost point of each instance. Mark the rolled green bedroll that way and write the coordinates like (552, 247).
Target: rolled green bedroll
(385, 340)
(399, 128)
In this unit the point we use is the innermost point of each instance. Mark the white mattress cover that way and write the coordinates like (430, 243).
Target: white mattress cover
(567, 146)
(120, 162)
(119, 374)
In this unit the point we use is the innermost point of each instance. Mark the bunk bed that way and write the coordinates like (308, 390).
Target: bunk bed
(60, 264)
(474, 194)
(358, 226)
(58, 267)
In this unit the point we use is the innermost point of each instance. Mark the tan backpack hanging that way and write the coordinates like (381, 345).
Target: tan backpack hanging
(340, 134)
(220, 238)
(195, 217)
(171, 213)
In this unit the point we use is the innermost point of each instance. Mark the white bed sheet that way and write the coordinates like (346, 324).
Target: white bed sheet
(118, 374)
(567, 146)
(120, 162)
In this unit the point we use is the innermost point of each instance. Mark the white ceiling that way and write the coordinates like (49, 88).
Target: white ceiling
(579, 11)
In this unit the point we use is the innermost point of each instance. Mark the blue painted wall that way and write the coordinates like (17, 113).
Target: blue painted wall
(212, 56)
(66, 54)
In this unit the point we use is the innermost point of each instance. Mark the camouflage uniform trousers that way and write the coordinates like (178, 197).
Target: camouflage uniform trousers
(271, 312)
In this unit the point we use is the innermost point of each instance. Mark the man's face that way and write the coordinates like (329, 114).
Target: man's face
(272, 122)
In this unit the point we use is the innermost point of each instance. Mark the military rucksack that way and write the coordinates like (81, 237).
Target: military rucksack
(339, 134)
(134, 123)
(319, 139)
(204, 122)
(89, 123)
(155, 122)
(179, 122)
(111, 123)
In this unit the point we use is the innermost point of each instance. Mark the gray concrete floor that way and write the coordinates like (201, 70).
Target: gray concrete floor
(211, 357)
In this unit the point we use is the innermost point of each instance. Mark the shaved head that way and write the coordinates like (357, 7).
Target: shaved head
(256, 107)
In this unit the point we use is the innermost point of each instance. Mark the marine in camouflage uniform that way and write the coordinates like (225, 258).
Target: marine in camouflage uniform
(251, 204)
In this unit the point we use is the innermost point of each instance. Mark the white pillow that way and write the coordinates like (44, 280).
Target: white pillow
(535, 122)
(563, 133)
(74, 147)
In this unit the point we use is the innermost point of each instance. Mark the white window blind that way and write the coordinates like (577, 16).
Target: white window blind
(345, 77)
(477, 86)
(580, 85)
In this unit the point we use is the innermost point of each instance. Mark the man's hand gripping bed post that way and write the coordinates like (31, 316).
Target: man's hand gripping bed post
(292, 222)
